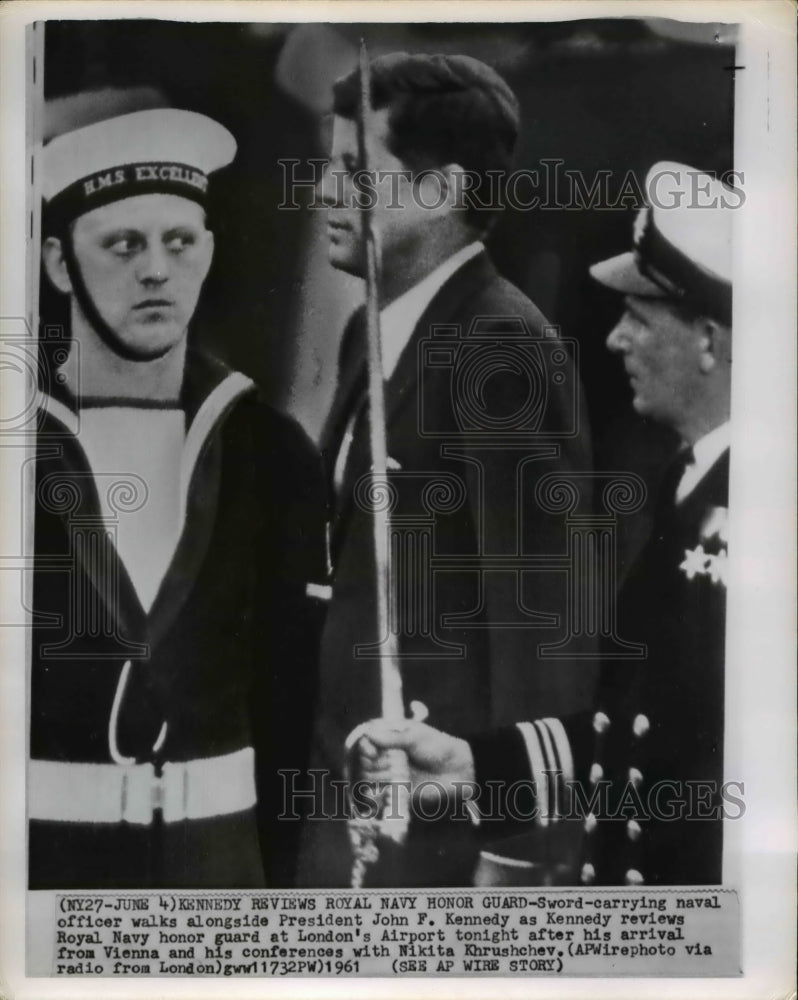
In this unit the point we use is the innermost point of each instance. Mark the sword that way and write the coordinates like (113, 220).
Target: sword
(365, 829)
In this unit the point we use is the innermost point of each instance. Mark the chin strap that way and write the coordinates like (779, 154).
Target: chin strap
(86, 303)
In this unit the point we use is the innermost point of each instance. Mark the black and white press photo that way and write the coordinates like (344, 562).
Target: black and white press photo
(385, 444)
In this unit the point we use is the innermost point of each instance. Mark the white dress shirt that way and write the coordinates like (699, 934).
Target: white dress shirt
(397, 322)
(706, 451)
(399, 319)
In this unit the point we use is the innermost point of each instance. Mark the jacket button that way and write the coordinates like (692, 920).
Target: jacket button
(596, 773)
(601, 722)
(590, 822)
(635, 776)
(633, 877)
(633, 830)
(640, 725)
(588, 874)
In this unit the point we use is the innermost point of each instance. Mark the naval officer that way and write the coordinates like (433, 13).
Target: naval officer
(643, 771)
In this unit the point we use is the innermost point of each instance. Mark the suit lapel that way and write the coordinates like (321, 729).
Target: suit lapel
(676, 526)
(401, 389)
(445, 308)
(352, 379)
(712, 490)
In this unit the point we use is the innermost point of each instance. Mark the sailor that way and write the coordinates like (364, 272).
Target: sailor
(178, 524)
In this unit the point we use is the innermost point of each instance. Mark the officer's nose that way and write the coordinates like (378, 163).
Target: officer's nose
(154, 265)
(618, 338)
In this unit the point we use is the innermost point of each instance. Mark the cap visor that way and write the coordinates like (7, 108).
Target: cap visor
(621, 274)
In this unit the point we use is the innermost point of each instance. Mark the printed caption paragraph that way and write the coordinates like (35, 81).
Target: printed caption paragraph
(673, 932)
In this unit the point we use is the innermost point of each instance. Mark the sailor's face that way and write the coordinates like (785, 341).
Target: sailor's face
(143, 261)
(399, 216)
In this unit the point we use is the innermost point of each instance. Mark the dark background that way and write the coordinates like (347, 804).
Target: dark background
(612, 95)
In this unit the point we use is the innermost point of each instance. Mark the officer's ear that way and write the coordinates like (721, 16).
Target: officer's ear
(55, 264)
(715, 344)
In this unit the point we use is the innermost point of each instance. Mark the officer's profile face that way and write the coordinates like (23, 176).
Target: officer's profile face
(143, 261)
(402, 210)
(662, 353)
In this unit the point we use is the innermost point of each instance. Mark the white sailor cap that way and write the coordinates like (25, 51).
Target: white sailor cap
(162, 150)
(682, 243)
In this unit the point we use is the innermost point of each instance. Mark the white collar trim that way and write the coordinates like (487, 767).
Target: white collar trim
(706, 451)
(215, 403)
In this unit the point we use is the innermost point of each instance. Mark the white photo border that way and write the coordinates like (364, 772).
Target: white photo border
(761, 693)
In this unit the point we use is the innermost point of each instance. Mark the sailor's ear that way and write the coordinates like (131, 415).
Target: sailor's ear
(55, 264)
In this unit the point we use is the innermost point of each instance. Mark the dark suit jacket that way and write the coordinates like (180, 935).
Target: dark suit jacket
(665, 712)
(484, 409)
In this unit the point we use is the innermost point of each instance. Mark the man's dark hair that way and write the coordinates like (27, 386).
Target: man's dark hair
(443, 109)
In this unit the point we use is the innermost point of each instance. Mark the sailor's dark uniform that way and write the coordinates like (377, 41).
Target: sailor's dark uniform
(157, 736)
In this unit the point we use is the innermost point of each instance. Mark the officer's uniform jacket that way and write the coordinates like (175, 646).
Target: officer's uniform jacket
(145, 726)
(653, 746)
(466, 487)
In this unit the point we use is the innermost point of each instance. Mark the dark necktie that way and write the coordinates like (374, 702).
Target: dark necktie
(666, 498)
(351, 397)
